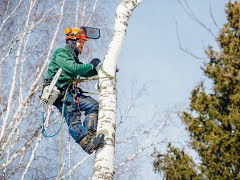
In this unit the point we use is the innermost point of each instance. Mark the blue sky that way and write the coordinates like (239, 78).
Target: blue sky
(151, 53)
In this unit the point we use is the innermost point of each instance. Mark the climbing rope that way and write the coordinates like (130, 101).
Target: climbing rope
(43, 118)
(43, 129)
(61, 135)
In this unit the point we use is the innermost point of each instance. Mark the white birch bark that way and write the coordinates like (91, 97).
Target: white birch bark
(104, 162)
(76, 14)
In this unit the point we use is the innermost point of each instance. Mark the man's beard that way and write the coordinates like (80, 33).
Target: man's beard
(71, 44)
(79, 48)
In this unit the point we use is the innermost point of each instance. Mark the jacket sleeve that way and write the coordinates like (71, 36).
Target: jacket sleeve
(68, 64)
(90, 73)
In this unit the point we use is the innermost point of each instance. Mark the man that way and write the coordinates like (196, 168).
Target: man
(67, 59)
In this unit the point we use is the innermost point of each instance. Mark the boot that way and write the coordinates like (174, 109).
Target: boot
(91, 142)
(86, 140)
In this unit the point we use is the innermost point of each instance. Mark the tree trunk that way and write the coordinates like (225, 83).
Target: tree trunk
(104, 162)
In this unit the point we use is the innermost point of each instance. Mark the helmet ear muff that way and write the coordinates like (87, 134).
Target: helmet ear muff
(67, 31)
(75, 34)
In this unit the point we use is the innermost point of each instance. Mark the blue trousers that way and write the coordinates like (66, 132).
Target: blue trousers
(72, 115)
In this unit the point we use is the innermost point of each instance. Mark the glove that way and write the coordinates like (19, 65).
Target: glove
(95, 62)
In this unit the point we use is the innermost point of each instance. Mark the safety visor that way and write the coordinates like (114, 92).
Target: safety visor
(90, 32)
(81, 36)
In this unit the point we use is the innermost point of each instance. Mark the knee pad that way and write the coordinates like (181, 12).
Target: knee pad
(76, 129)
(90, 122)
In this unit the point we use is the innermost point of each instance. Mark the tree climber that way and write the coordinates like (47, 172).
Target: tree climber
(67, 59)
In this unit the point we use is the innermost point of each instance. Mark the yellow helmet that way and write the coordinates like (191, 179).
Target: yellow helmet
(75, 33)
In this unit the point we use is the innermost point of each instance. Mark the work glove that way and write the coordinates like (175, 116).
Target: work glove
(96, 63)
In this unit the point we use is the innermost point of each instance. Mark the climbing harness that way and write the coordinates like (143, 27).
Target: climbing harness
(76, 98)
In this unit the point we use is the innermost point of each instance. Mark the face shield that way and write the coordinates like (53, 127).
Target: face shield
(90, 32)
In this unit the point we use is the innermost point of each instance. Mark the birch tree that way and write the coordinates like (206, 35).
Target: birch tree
(30, 31)
(104, 162)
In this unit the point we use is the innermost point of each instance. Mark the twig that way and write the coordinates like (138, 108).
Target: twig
(78, 164)
(143, 146)
(185, 50)
(20, 151)
(76, 14)
(32, 157)
(84, 10)
(190, 13)
(12, 12)
(212, 17)
(91, 15)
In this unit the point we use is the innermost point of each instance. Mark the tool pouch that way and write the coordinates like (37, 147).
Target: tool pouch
(48, 98)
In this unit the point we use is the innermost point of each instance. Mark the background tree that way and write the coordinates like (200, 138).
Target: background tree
(213, 119)
(175, 164)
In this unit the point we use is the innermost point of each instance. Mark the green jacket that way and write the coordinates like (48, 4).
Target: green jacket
(71, 67)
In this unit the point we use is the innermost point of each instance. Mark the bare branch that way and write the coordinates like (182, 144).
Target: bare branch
(76, 14)
(32, 156)
(91, 15)
(74, 167)
(191, 14)
(15, 73)
(12, 12)
(34, 84)
(184, 49)
(20, 151)
(143, 146)
(212, 17)
(84, 11)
